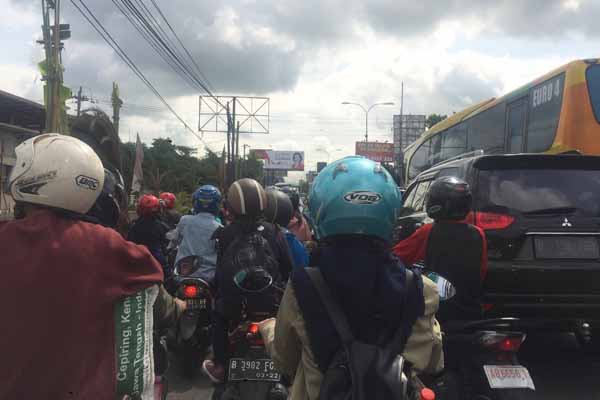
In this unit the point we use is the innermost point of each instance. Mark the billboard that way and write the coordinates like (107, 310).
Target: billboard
(376, 151)
(287, 160)
(407, 129)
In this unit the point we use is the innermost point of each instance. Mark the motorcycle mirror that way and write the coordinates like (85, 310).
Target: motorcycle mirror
(445, 288)
(253, 280)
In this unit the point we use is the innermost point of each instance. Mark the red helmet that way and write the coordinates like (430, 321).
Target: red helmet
(168, 199)
(148, 205)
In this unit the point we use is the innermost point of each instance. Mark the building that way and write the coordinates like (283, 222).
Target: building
(19, 119)
(407, 129)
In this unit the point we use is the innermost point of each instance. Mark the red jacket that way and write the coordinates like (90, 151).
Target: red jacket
(414, 248)
(61, 282)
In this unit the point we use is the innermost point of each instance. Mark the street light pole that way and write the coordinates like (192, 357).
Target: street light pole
(367, 110)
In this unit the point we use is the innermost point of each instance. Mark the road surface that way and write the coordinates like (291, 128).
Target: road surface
(558, 369)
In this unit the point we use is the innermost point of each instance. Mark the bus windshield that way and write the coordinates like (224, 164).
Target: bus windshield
(593, 82)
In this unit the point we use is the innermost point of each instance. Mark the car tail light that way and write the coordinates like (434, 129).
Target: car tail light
(502, 342)
(489, 221)
(190, 291)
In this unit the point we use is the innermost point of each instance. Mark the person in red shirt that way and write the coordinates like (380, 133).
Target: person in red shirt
(77, 297)
(450, 247)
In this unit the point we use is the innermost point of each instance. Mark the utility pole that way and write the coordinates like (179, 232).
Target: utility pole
(233, 142)
(238, 162)
(228, 147)
(52, 36)
(116, 103)
(244, 161)
(80, 98)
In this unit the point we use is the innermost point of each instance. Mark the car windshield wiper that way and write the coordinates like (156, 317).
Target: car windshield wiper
(552, 210)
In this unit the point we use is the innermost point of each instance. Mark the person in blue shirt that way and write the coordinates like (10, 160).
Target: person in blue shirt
(279, 212)
(194, 232)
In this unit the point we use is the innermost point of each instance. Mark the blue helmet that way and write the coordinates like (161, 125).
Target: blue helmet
(354, 196)
(206, 198)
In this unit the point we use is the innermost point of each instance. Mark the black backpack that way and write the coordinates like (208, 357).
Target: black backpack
(249, 255)
(361, 371)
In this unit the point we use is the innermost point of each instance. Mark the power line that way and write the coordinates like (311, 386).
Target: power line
(106, 36)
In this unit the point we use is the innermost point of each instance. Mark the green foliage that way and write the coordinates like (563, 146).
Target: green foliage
(184, 202)
(433, 119)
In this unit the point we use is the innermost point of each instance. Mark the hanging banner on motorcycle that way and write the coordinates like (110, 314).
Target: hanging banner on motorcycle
(133, 341)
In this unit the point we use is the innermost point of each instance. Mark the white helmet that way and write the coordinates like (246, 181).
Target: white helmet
(57, 171)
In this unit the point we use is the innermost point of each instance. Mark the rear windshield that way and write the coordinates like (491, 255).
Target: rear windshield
(539, 191)
(593, 81)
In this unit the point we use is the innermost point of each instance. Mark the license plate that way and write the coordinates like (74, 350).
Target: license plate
(196, 304)
(508, 377)
(252, 370)
(565, 247)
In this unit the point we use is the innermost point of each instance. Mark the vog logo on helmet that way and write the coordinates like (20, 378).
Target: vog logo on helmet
(87, 182)
(362, 197)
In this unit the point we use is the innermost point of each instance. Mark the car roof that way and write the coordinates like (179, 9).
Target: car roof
(522, 160)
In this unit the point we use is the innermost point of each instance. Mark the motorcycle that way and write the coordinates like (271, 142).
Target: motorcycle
(481, 356)
(192, 335)
(252, 373)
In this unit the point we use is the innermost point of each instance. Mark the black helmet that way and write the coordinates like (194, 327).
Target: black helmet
(294, 197)
(279, 208)
(449, 198)
(107, 208)
(246, 197)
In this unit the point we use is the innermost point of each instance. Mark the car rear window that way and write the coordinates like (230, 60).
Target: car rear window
(539, 191)
(593, 82)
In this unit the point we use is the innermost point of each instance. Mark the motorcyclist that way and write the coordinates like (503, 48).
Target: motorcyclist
(72, 277)
(298, 225)
(366, 278)
(279, 212)
(148, 229)
(194, 233)
(169, 214)
(450, 247)
(247, 201)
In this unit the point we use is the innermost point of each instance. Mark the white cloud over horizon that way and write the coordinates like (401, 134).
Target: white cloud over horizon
(308, 57)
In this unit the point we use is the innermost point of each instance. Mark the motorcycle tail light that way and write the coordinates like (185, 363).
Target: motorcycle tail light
(502, 342)
(190, 291)
(253, 335)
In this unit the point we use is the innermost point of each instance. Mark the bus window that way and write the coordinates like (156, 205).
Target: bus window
(435, 155)
(545, 101)
(454, 141)
(515, 125)
(419, 161)
(593, 82)
(486, 130)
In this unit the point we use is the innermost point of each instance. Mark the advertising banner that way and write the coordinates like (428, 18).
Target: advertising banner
(286, 160)
(376, 151)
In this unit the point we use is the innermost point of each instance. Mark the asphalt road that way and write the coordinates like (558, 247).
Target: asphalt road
(559, 371)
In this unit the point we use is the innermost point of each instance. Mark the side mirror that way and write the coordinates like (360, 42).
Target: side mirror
(445, 288)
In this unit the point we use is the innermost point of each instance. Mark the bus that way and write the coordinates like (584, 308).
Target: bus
(556, 113)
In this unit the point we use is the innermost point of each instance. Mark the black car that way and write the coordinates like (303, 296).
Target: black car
(541, 216)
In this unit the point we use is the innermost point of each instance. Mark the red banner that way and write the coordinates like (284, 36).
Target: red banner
(376, 151)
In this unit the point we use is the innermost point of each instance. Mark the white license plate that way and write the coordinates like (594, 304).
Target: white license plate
(508, 377)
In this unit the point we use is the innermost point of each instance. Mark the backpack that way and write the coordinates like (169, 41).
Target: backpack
(361, 371)
(249, 252)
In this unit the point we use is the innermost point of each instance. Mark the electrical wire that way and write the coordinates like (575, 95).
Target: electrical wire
(107, 37)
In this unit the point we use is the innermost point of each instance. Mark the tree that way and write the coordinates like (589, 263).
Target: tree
(433, 119)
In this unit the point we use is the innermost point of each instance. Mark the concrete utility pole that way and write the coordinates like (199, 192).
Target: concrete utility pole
(237, 151)
(116, 103)
(52, 36)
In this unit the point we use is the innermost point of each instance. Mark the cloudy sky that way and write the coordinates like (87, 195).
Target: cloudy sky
(308, 56)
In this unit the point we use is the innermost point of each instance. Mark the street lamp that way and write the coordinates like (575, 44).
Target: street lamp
(366, 110)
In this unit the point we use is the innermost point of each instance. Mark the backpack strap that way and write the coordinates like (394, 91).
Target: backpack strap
(331, 305)
(401, 337)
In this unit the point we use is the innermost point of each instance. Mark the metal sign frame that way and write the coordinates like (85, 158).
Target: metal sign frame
(253, 113)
